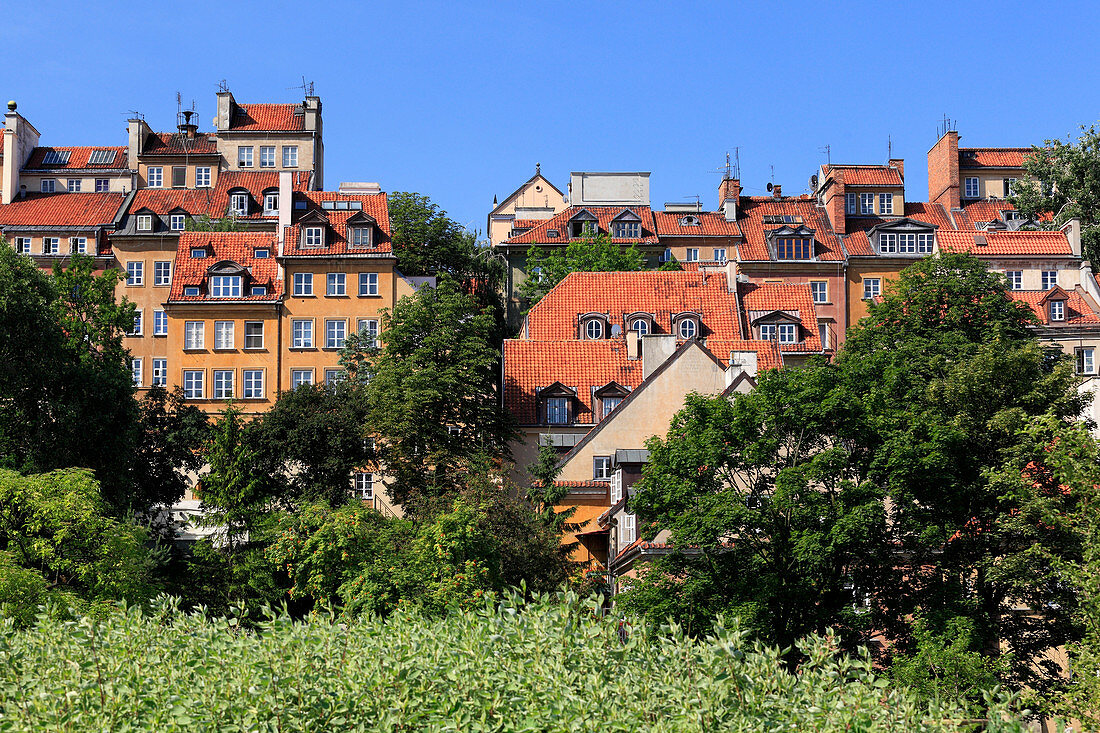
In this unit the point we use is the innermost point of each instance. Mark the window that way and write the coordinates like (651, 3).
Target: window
(368, 327)
(867, 203)
(719, 255)
(135, 273)
(101, 157)
(290, 156)
(970, 188)
(640, 326)
(361, 237)
(303, 283)
(223, 334)
(56, 157)
(258, 290)
(261, 254)
(601, 468)
(610, 403)
(593, 329)
(823, 334)
(162, 273)
(192, 385)
(314, 237)
(198, 253)
(793, 249)
(244, 156)
(176, 222)
(767, 331)
(788, 333)
(820, 291)
(368, 284)
(666, 256)
(687, 328)
(1085, 361)
(557, 410)
(1011, 215)
(1050, 279)
(1015, 279)
(616, 487)
(253, 334)
(336, 332)
(194, 335)
(23, 245)
(628, 229)
(267, 156)
(191, 291)
(628, 529)
(135, 371)
(156, 176)
(298, 377)
(337, 284)
(364, 486)
(202, 177)
(48, 185)
(252, 384)
(850, 201)
(238, 204)
(1009, 184)
(271, 203)
(302, 334)
(886, 203)
(583, 228)
(872, 287)
(51, 245)
(145, 222)
(691, 255)
(925, 243)
(223, 384)
(225, 286)
(74, 185)
(1057, 310)
(78, 245)
(179, 180)
(160, 323)
(102, 185)
(160, 373)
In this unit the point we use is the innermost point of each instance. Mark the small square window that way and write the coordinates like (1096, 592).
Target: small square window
(299, 377)
(202, 177)
(872, 287)
(360, 237)
(1050, 279)
(820, 291)
(74, 185)
(364, 486)
(51, 245)
(720, 255)
(78, 245)
(48, 185)
(271, 203)
(303, 284)
(102, 185)
(258, 290)
(601, 468)
(176, 222)
(262, 254)
(135, 273)
(314, 237)
(23, 245)
(238, 204)
(198, 253)
(162, 273)
(145, 222)
(267, 156)
(692, 255)
(244, 156)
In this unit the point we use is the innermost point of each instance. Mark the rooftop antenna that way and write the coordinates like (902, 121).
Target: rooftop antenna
(773, 175)
(305, 86)
(538, 169)
(945, 126)
(828, 150)
(889, 148)
(223, 86)
(135, 114)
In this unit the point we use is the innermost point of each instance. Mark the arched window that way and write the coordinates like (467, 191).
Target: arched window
(594, 329)
(640, 326)
(687, 328)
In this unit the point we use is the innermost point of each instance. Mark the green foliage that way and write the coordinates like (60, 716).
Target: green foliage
(431, 391)
(670, 265)
(172, 436)
(1063, 178)
(947, 664)
(428, 242)
(235, 493)
(554, 665)
(548, 266)
(204, 223)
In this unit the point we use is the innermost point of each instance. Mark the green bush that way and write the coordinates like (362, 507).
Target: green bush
(554, 665)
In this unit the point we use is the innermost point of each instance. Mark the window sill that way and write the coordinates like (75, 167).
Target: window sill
(376, 295)
(303, 348)
(254, 349)
(345, 296)
(200, 350)
(296, 295)
(223, 350)
(160, 335)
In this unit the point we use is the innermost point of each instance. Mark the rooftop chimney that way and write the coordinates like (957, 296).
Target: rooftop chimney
(20, 138)
(186, 127)
(898, 163)
(777, 191)
(729, 191)
(633, 345)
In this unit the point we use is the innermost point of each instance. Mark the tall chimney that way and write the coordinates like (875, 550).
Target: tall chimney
(899, 164)
(729, 191)
(20, 138)
(943, 171)
(186, 127)
(777, 191)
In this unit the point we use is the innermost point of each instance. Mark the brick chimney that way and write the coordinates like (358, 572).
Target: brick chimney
(834, 198)
(943, 171)
(777, 191)
(899, 164)
(729, 191)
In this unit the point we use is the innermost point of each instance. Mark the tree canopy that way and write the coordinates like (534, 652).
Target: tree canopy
(548, 266)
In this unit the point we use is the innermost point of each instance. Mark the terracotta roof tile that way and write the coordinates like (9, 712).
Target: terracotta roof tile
(255, 183)
(61, 210)
(711, 224)
(177, 143)
(750, 217)
(78, 158)
(787, 297)
(992, 157)
(374, 206)
(604, 215)
(867, 175)
(1005, 243)
(1078, 311)
(195, 201)
(267, 117)
(857, 242)
(238, 247)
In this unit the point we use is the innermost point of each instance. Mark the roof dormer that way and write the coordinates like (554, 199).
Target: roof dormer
(583, 224)
(784, 327)
(1055, 305)
(640, 322)
(687, 325)
(557, 404)
(904, 236)
(791, 242)
(314, 228)
(593, 326)
(626, 225)
(361, 230)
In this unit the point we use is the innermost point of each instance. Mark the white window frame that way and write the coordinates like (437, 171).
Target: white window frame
(601, 468)
(1085, 360)
(225, 286)
(866, 204)
(687, 328)
(1057, 310)
(73, 185)
(872, 287)
(238, 204)
(336, 333)
(1015, 279)
(102, 185)
(303, 284)
(155, 176)
(628, 230)
(364, 485)
(222, 382)
(145, 222)
(301, 330)
(244, 156)
(788, 333)
(177, 222)
(250, 338)
(926, 243)
(290, 156)
(313, 237)
(162, 272)
(22, 245)
(608, 405)
(616, 487)
(51, 245)
(252, 384)
(628, 530)
(886, 203)
(194, 335)
(640, 326)
(557, 410)
(194, 384)
(160, 373)
(851, 203)
(1049, 279)
(299, 377)
(78, 245)
(48, 185)
(223, 335)
(691, 254)
(160, 323)
(720, 254)
(369, 327)
(135, 370)
(823, 333)
(972, 187)
(361, 237)
(135, 273)
(336, 285)
(368, 284)
(202, 176)
(767, 332)
(819, 291)
(593, 329)
(271, 203)
(267, 156)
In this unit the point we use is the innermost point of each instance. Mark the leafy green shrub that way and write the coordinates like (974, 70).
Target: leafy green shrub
(555, 665)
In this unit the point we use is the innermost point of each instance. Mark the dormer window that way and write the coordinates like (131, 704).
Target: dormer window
(557, 410)
(688, 329)
(689, 221)
(1057, 310)
(261, 254)
(640, 326)
(552, 234)
(191, 291)
(313, 237)
(686, 325)
(594, 326)
(197, 253)
(628, 230)
(794, 248)
(905, 243)
(145, 222)
(609, 396)
(360, 237)
(784, 333)
(238, 204)
(583, 229)
(225, 286)
(556, 404)
(271, 203)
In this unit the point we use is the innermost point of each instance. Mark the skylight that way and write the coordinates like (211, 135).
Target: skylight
(101, 157)
(782, 219)
(56, 157)
(342, 205)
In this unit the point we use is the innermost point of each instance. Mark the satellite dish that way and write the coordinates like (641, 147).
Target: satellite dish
(616, 330)
(769, 187)
(813, 181)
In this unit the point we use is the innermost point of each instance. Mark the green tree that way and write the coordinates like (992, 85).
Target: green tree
(432, 391)
(428, 242)
(548, 266)
(204, 223)
(1063, 178)
(170, 446)
(236, 493)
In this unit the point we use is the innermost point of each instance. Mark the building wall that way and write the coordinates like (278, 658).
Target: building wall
(116, 182)
(832, 312)
(536, 193)
(212, 163)
(229, 142)
(990, 182)
(943, 171)
(884, 268)
(1069, 270)
(147, 297)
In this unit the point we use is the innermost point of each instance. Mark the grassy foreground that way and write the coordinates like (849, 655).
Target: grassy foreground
(548, 666)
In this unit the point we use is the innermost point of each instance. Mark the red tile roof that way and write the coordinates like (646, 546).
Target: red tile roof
(176, 143)
(604, 215)
(1006, 243)
(267, 117)
(711, 224)
(255, 182)
(661, 294)
(375, 205)
(786, 297)
(867, 175)
(1078, 310)
(78, 158)
(61, 210)
(195, 201)
(526, 223)
(750, 216)
(858, 244)
(238, 247)
(992, 157)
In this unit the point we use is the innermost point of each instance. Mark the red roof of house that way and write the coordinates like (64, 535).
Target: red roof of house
(255, 183)
(750, 217)
(374, 206)
(998, 243)
(617, 294)
(195, 201)
(858, 244)
(711, 224)
(78, 158)
(61, 210)
(526, 223)
(178, 143)
(793, 298)
(267, 117)
(992, 157)
(867, 175)
(1078, 310)
(237, 247)
(603, 214)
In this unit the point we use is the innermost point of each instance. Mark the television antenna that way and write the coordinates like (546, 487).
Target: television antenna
(828, 150)
(305, 86)
(223, 86)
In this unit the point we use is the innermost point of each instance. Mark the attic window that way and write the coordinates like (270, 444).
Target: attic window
(299, 205)
(262, 254)
(689, 221)
(238, 203)
(360, 237)
(56, 157)
(625, 229)
(582, 229)
(782, 219)
(1057, 310)
(553, 234)
(101, 157)
(794, 248)
(784, 333)
(191, 291)
(198, 253)
(313, 237)
(342, 205)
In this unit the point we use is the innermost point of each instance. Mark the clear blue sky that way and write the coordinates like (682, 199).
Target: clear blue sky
(459, 100)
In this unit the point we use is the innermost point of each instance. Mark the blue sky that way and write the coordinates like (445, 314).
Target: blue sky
(460, 100)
